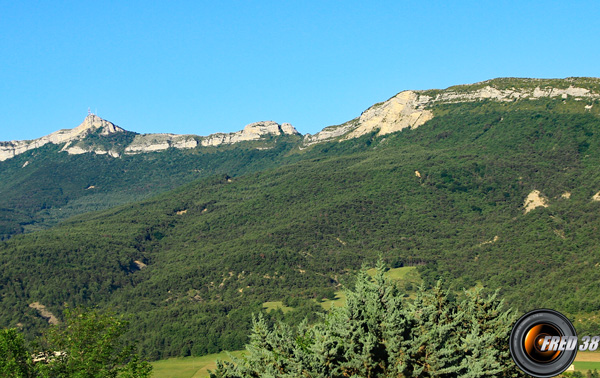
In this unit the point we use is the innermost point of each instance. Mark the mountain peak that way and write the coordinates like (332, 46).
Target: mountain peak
(269, 127)
(92, 122)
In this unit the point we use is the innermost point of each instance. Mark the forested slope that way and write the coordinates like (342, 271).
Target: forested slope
(191, 265)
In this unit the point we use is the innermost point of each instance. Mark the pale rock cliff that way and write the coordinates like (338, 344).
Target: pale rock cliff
(159, 142)
(141, 143)
(411, 108)
(253, 131)
(533, 200)
(90, 124)
(406, 109)
(401, 111)
(489, 92)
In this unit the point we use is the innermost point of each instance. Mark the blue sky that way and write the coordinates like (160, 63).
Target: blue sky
(201, 67)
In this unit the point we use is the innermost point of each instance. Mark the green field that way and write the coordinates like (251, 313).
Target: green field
(587, 361)
(407, 275)
(276, 305)
(189, 367)
(585, 366)
(197, 367)
(339, 301)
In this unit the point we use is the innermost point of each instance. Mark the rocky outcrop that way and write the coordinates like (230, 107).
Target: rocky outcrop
(329, 133)
(406, 109)
(44, 313)
(533, 200)
(489, 92)
(91, 124)
(412, 108)
(253, 131)
(159, 142)
(141, 143)
(78, 150)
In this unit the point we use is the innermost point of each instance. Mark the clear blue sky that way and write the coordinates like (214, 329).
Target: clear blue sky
(214, 66)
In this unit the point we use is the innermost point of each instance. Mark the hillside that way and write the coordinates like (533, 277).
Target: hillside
(498, 191)
(98, 165)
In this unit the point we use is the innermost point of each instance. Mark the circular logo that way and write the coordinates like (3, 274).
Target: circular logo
(543, 343)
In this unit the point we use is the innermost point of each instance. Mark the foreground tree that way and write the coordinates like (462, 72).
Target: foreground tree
(14, 357)
(89, 344)
(380, 334)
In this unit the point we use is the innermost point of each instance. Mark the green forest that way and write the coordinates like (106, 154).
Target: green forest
(193, 257)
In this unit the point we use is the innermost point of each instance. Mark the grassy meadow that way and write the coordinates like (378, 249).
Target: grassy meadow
(189, 367)
(198, 367)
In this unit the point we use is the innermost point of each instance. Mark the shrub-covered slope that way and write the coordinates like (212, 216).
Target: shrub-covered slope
(192, 264)
(41, 187)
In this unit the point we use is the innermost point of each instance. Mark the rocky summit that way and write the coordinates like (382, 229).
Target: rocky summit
(73, 145)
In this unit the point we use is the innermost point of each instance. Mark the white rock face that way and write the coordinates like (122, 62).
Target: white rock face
(90, 124)
(406, 109)
(328, 133)
(253, 131)
(401, 111)
(533, 200)
(159, 142)
(489, 92)
(410, 109)
(141, 143)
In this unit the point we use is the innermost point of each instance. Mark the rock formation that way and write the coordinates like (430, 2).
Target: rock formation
(407, 109)
(411, 108)
(253, 131)
(91, 123)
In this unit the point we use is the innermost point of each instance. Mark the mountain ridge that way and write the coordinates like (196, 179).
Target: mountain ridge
(141, 142)
(411, 108)
(406, 109)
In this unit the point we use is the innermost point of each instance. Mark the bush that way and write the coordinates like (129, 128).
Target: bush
(88, 344)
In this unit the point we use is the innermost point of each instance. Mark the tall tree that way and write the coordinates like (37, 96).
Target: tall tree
(378, 333)
(88, 344)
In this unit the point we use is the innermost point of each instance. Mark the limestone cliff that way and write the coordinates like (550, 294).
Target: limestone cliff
(412, 108)
(159, 142)
(75, 143)
(91, 124)
(407, 109)
(253, 131)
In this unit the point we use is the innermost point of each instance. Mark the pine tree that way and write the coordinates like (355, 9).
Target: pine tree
(380, 334)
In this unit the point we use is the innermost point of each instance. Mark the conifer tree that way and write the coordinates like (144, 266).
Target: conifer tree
(380, 334)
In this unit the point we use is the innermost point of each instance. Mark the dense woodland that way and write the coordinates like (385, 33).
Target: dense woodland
(294, 225)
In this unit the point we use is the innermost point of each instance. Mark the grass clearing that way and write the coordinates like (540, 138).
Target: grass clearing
(587, 361)
(585, 366)
(407, 275)
(189, 367)
(339, 301)
(276, 305)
